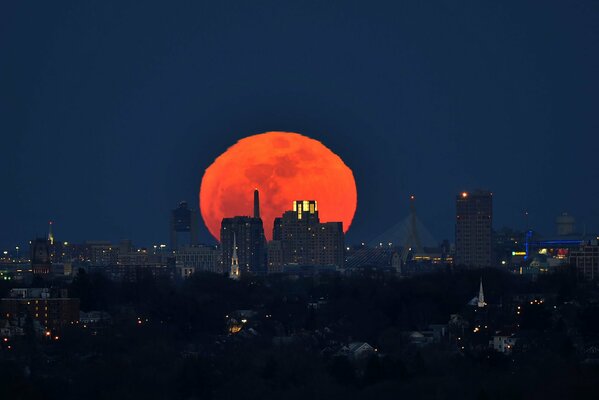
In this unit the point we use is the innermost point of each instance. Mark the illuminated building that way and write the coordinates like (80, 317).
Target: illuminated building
(40, 257)
(307, 241)
(474, 222)
(184, 226)
(52, 309)
(246, 236)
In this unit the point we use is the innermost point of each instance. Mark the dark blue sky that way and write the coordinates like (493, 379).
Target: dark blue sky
(109, 113)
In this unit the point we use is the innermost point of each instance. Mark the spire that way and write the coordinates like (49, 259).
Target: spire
(256, 203)
(50, 234)
(235, 258)
(481, 295)
(234, 271)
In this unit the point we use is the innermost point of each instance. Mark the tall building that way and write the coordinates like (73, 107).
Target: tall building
(307, 241)
(274, 256)
(41, 263)
(246, 234)
(474, 223)
(184, 226)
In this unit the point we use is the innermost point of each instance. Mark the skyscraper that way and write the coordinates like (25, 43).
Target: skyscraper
(474, 224)
(184, 226)
(307, 241)
(246, 235)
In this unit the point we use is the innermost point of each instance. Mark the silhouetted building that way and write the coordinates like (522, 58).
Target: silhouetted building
(277, 233)
(199, 258)
(565, 225)
(275, 257)
(307, 241)
(245, 236)
(474, 222)
(184, 226)
(102, 252)
(586, 261)
(137, 265)
(40, 257)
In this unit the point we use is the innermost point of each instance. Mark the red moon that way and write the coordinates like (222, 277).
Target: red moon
(283, 166)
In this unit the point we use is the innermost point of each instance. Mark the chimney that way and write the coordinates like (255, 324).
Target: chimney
(256, 204)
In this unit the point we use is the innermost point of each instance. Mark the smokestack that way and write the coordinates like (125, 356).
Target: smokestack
(256, 204)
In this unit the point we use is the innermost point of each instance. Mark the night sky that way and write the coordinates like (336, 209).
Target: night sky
(109, 113)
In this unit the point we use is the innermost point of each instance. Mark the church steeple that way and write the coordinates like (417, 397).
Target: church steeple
(481, 295)
(234, 271)
(50, 234)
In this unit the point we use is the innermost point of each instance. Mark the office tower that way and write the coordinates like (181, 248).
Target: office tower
(184, 226)
(40, 257)
(277, 233)
(246, 234)
(307, 241)
(274, 256)
(474, 223)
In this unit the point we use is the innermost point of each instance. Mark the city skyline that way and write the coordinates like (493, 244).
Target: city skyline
(552, 224)
(414, 102)
(299, 199)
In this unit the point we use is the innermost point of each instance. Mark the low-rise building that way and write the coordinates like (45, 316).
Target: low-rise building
(53, 309)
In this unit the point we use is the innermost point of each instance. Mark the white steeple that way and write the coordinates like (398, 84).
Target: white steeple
(481, 295)
(234, 271)
(50, 234)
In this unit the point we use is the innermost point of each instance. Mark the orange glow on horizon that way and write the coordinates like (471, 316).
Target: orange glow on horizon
(284, 167)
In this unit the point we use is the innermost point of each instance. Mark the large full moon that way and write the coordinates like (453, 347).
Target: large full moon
(283, 166)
